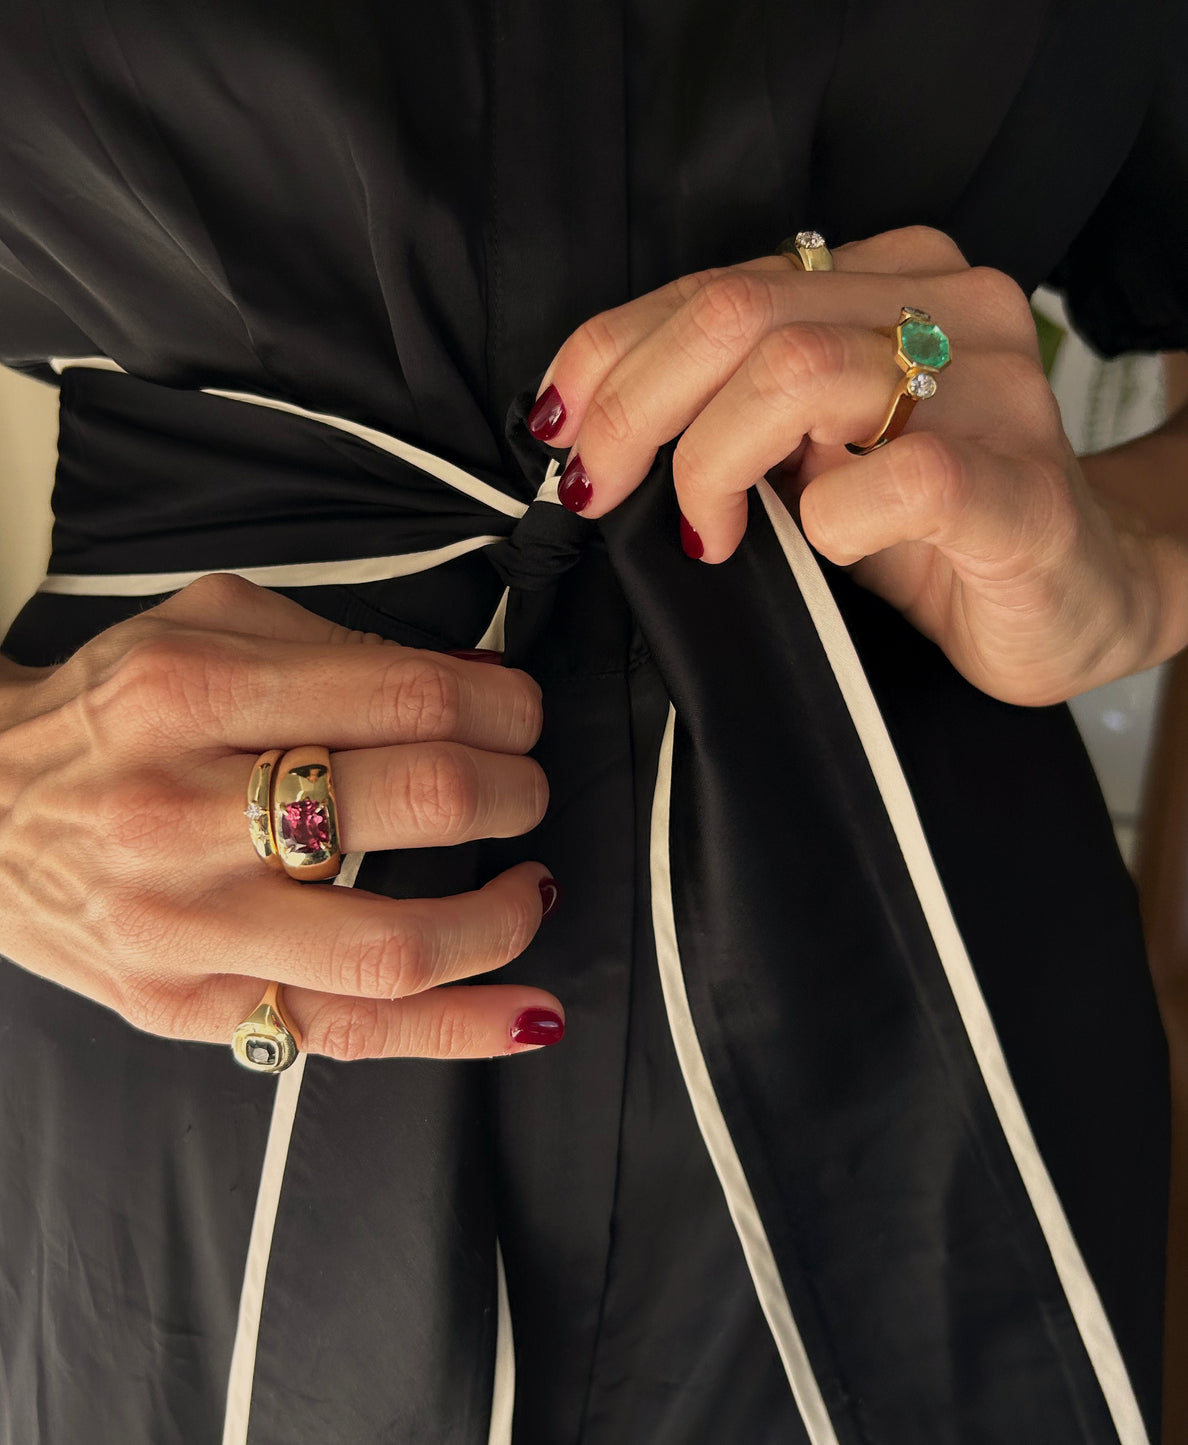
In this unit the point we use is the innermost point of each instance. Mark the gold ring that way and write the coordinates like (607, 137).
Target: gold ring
(807, 249)
(921, 351)
(304, 817)
(259, 806)
(266, 1041)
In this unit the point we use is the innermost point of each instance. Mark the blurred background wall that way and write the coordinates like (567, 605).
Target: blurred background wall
(28, 441)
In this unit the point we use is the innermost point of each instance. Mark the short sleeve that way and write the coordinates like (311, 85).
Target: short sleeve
(1125, 276)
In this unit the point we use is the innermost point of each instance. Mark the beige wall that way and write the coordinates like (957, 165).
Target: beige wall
(28, 447)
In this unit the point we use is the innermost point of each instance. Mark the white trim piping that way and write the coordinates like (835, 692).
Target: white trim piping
(756, 1247)
(1083, 1298)
(503, 1388)
(424, 461)
(242, 1374)
(351, 571)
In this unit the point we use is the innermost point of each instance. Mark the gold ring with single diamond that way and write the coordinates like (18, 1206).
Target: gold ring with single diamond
(259, 806)
(921, 351)
(807, 249)
(266, 1041)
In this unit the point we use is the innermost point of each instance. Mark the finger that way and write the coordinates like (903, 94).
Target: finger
(996, 518)
(446, 1023)
(670, 376)
(358, 944)
(219, 603)
(416, 795)
(196, 689)
(223, 602)
(601, 343)
(827, 386)
(908, 251)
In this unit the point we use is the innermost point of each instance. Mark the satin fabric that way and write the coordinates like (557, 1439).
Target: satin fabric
(395, 218)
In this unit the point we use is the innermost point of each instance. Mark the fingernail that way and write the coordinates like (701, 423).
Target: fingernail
(477, 654)
(550, 895)
(574, 490)
(547, 416)
(538, 1026)
(690, 540)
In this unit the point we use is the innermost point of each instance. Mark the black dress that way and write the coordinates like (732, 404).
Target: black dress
(803, 1169)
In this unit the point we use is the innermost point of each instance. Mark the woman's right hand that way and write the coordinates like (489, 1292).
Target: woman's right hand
(127, 870)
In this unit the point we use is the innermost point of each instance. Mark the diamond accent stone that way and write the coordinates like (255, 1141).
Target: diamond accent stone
(262, 1052)
(922, 386)
(305, 827)
(810, 240)
(253, 811)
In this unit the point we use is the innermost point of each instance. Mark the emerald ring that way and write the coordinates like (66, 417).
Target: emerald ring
(921, 351)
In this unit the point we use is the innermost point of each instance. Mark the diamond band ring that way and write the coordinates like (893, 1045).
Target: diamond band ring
(921, 351)
(807, 249)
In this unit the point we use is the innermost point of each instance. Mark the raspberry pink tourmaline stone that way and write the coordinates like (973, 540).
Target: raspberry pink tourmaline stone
(305, 826)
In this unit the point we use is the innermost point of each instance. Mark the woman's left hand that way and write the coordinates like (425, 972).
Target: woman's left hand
(977, 523)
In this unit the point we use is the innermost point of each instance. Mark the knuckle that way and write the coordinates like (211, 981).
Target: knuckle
(1031, 403)
(169, 683)
(527, 708)
(516, 927)
(139, 814)
(449, 1034)
(539, 802)
(158, 1006)
(351, 1032)
(596, 342)
(793, 362)
(691, 472)
(728, 309)
(418, 697)
(612, 417)
(931, 248)
(1000, 300)
(216, 593)
(385, 965)
(138, 923)
(926, 467)
(442, 791)
(684, 288)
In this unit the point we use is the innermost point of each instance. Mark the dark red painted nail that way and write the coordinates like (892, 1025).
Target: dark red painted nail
(690, 540)
(477, 654)
(538, 1026)
(574, 490)
(550, 895)
(547, 417)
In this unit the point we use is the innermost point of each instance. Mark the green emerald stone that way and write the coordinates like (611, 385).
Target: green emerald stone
(924, 344)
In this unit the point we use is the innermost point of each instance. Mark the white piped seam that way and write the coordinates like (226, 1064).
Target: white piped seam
(455, 477)
(242, 1374)
(288, 574)
(1083, 1299)
(503, 1389)
(756, 1247)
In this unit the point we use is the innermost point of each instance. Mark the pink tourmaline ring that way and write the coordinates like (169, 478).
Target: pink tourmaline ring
(302, 813)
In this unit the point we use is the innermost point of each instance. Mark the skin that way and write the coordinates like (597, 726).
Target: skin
(127, 871)
(1039, 575)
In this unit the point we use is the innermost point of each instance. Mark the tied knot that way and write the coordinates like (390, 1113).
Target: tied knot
(544, 544)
